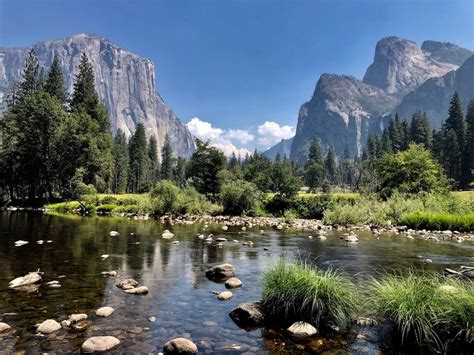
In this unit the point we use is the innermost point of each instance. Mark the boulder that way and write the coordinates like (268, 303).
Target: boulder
(351, 238)
(29, 279)
(167, 234)
(142, 290)
(104, 311)
(4, 327)
(49, 326)
(127, 284)
(302, 329)
(180, 346)
(224, 295)
(233, 282)
(248, 315)
(221, 272)
(99, 344)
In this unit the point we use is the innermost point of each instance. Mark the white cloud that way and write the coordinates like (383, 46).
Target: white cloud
(203, 130)
(220, 138)
(271, 133)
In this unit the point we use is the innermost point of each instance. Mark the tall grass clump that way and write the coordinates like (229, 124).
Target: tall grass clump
(439, 221)
(427, 310)
(294, 291)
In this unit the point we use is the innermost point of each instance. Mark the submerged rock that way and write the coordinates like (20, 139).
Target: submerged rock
(221, 272)
(366, 322)
(351, 238)
(302, 329)
(127, 284)
(4, 327)
(142, 290)
(233, 282)
(49, 326)
(180, 346)
(99, 344)
(29, 279)
(109, 273)
(114, 233)
(104, 311)
(224, 295)
(248, 315)
(152, 319)
(167, 234)
(19, 243)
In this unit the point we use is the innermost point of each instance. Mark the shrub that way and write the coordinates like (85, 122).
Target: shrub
(239, 197)
(63, 207)
(299, 291)
(126, 209)
(192, 202)
(163, 197)
(427, 310)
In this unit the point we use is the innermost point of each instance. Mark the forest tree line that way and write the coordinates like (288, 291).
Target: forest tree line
(55, 145)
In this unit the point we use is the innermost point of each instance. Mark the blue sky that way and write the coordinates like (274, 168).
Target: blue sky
(239, 64)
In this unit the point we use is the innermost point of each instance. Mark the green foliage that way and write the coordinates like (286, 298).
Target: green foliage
(54, 84)
(164, 197)
(204, 167)
(410, 171)
(106, 209)
(427, 310)
(138, 160)
(167, 160)
(300, 291)
(239, 197)
(258, 170)
(64, 207)
(121, 163)
(438, 221)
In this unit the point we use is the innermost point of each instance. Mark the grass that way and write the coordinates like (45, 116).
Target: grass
(63, 207)
(427, 310)
(299, 291)
(439, 221)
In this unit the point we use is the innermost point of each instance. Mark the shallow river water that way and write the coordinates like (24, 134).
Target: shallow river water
(180, 296)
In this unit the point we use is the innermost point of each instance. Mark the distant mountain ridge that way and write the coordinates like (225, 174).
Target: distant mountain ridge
(343, 110)
(283, 148)
(124, 80)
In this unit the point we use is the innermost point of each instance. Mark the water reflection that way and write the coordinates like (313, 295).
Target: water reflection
(179, 294)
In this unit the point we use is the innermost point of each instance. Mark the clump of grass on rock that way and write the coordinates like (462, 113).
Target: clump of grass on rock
(298, 291)
(428, 310)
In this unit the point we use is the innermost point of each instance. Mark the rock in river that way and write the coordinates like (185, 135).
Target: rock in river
(180, 346)
(142, 290)
(49, 326)
(4, 327)
(224, 295)
(127, 284)
(167, 234)
(221, 272)
(248, 315)
(104, 311)
(233, 282)
(114, 233)
(29, 279)
(109, 273)
(302, 329)
(99, 344)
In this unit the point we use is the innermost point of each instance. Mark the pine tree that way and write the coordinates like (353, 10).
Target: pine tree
(154, 171)
(30, 77)
(470, 142)
(386, 142)
(374, 146)
(84, 95)
(315, 154)
(330, 164)
(179, 172)
(138, 161)
(278, 157)
(54, 84)
(395, 133)
(420, 131)
(233, 162)
(121, 161)
(167, 160)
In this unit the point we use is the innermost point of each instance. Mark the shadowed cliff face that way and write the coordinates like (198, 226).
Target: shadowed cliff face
(434, 96)
(344, 110)
(125, 82)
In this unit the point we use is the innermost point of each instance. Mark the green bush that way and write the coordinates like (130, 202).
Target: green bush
(164, 198)
(63, 207)
(439, 221)
(298, 291)
(427, 310)
(239, 197)
(126, 209)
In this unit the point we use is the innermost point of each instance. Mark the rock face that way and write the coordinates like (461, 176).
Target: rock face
(344, 110)
(283, 148)
(434, 95)
(125, 83)
(400, 66)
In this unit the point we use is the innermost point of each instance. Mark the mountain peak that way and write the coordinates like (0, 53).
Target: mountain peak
(446, 52)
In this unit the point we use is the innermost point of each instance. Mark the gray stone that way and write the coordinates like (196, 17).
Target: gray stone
(142, 290)
(104, 311)
(248, 315)
(224, 295)
(127, 284)
(99, 344)
(233, 282)
(220, 272)
(49, 326)
(180, 346)
(302, 329)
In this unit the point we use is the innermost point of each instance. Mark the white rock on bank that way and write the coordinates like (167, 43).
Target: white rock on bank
(99, 344)
(302, 329)
(29, 279)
